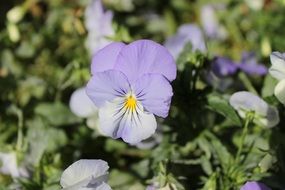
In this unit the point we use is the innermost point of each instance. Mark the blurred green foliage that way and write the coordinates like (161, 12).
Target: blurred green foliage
(43, 59)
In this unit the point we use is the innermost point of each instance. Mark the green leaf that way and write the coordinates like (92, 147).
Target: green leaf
(221, 106)
(56, 113)
(268, 86)
(42, 139)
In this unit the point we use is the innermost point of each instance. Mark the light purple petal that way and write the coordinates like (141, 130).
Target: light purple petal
(107, 86)
(93, 11)
(145, 56)
(252, 185)
(250, 66)
(175, 44)
(194, 35)
(222, 66)
(99, 26)
(185, 34)
(210, 22)
(105, 58)
(155, 92)
(256, 69)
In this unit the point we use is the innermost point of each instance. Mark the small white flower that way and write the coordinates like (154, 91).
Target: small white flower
(99, 26)
(86, 175)
(264, 115)
(277, 70)
(8, 164)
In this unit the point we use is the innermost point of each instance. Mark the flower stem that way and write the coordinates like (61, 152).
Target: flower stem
(20, 130)
(248, 120)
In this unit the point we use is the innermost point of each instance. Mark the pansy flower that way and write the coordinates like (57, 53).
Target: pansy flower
(277, 70)
(86, 175)
(223, 66)
(264, 114)
(186, 33)
(98, 23)
(210, 22)
(253, 185)
(130, 84)
(250, 66)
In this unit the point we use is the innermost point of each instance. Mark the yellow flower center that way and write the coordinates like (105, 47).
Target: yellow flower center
(131, 103)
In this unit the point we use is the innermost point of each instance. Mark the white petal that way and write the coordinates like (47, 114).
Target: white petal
(8, 164)
(84, 172)
(271, 119)
(118, 122)
(152, 141)
(247, 101)
(110, 117)
(279, 91)
(81, 105)
(137, 126)
(277, 70)
(104, 186)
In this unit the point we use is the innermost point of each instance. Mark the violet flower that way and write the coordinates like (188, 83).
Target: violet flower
(222, 67)
(210, 23)
(264, 114)
(249, 65)
(253, 185)
(186, 33)
(130, 84)
(99, 26)
(86, 175)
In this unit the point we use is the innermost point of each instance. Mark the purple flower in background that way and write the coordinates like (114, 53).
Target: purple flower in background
(130, 84)
(99, 26)
(210, 23)
(252, 185)
(222, 66)
(250, 66)
(185, 34)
